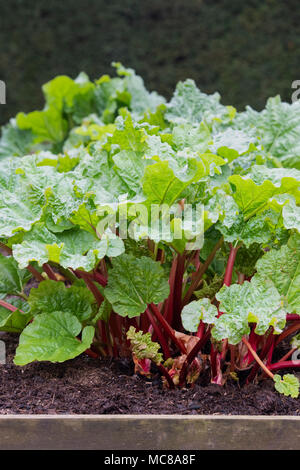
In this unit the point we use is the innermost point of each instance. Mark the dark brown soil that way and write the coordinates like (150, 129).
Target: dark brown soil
(92, 386)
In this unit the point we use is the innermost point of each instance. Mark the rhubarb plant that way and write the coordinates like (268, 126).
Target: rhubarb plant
(163, 231)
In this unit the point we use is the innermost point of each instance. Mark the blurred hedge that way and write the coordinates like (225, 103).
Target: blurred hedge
(247, 50)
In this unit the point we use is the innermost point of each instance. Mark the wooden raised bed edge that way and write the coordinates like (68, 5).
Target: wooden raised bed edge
(149, 432)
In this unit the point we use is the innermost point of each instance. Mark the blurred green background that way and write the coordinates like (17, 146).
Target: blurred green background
(246, 50)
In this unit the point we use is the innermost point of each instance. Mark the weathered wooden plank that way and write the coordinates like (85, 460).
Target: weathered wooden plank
(128, 432)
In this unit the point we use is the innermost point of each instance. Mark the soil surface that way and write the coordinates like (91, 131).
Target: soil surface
(93, 386)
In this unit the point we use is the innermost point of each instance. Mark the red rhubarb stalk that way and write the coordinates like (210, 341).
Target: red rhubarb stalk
(49, 271)
(191, 356)
(287, 332)
(10, 307)
(177, 292)
(115, 323)
(169, 331)
(292, 317)
(92, 287)
(202, 269)
(262, 356)
(232, 357)
(213, 361)
(284, 365)
(288, 355)
(201, 329)
(253, 340)
(230, 265)
(170, 300)
(35, 273)
(166, 374)
(270, 352)
(224, 349)
(159, 334)
(98, 277)
(144, 322)
(91, 353)
(258, 360)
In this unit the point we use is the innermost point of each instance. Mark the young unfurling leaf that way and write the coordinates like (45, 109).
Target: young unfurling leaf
(143, 347)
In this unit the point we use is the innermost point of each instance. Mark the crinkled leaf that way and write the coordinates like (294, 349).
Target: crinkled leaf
(14, 141)
(231, 143)
(18, 211)
(74, 248)
(209, 289)
(52, 296)
(257, 302)
(164, 183)
(127, 136)
(74, 97)
(134, 283)
(143, 347)
(288, 385)
(189, 104)
(190, 136)
(196, 311)
(130, 167)
(282, 267)
(141, 100)
(278, 127)
(255, 230)
(291, 215)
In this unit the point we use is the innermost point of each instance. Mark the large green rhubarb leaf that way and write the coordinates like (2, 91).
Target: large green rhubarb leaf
(46, 126)
(189, 104)
(127, 136)
(17, 210)
(140, 99)
(73, 248)
(231, 143)
(257, 302)
(134, 283)
(53, 337)
(74, 97)
(291, 215)
(51, 296)
(64, 96)
(161, 186)
(282, 267)
(194, 137)
(278, 127)
(251, 197)
(14, 141)
(165, 181)
(253, 193)
(255, 230)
